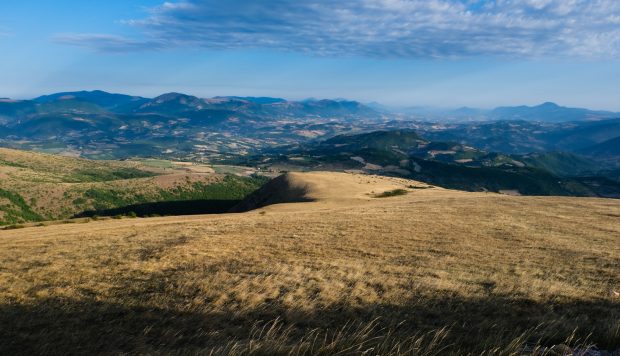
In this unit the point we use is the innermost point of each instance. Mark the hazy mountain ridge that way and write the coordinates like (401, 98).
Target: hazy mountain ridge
(176, 106)
(545, 112)
(99, 125)
(125, 104)
(102, 125)
(548, 112)
(174, 103)
(104, 99)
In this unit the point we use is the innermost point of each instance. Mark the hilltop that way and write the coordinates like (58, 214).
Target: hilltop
(366, 262)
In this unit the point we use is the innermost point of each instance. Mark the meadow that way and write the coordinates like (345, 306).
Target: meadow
(430, 272)
(36, 187)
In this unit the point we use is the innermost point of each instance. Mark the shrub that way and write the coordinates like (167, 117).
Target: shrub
(391, 193)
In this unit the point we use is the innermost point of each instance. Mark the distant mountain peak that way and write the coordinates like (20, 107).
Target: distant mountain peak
(549, 104)
(173, 96)
(253, 99)
(548, 112)
(108, 101)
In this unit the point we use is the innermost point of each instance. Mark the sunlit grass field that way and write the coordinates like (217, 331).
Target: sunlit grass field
(432, 271)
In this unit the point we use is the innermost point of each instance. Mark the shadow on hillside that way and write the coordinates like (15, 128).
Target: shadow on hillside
(277, 191)
(60, 326)
(188, 207)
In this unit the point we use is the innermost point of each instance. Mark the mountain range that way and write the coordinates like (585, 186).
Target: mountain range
(177, 103)
(97, 124)
(545, 112)
(101, 125)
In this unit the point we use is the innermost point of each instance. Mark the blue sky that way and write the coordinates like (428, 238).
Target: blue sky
(445, 53)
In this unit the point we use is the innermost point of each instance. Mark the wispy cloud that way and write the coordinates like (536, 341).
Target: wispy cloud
(378, 28)
(107, 43)
(4, 32)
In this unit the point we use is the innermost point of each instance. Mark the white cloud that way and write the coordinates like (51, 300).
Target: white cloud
(379, 28)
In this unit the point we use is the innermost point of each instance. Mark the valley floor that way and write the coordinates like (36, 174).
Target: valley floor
(432, 271)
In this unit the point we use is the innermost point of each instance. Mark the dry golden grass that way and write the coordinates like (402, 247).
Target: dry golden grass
(51, 184)
(431, 272)
(55, 168)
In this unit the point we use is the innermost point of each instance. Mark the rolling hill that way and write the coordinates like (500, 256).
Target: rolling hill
(39, 187)
(523, 137)
(422, 271)
(405, 154)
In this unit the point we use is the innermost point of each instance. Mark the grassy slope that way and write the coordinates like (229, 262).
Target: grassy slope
(35, 187)
(432, 270)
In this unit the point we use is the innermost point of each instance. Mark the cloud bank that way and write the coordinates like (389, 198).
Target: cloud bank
(378, 28)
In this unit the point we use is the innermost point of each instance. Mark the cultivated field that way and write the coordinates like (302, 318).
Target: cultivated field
(420, 270)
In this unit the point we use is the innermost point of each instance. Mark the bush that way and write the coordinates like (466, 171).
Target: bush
(18, 210)
(391, 193)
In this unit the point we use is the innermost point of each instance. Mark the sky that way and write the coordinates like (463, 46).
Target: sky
(436, 53)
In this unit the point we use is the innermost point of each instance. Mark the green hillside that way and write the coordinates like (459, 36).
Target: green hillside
(560, 163)
(452, 165)
(37, 187)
